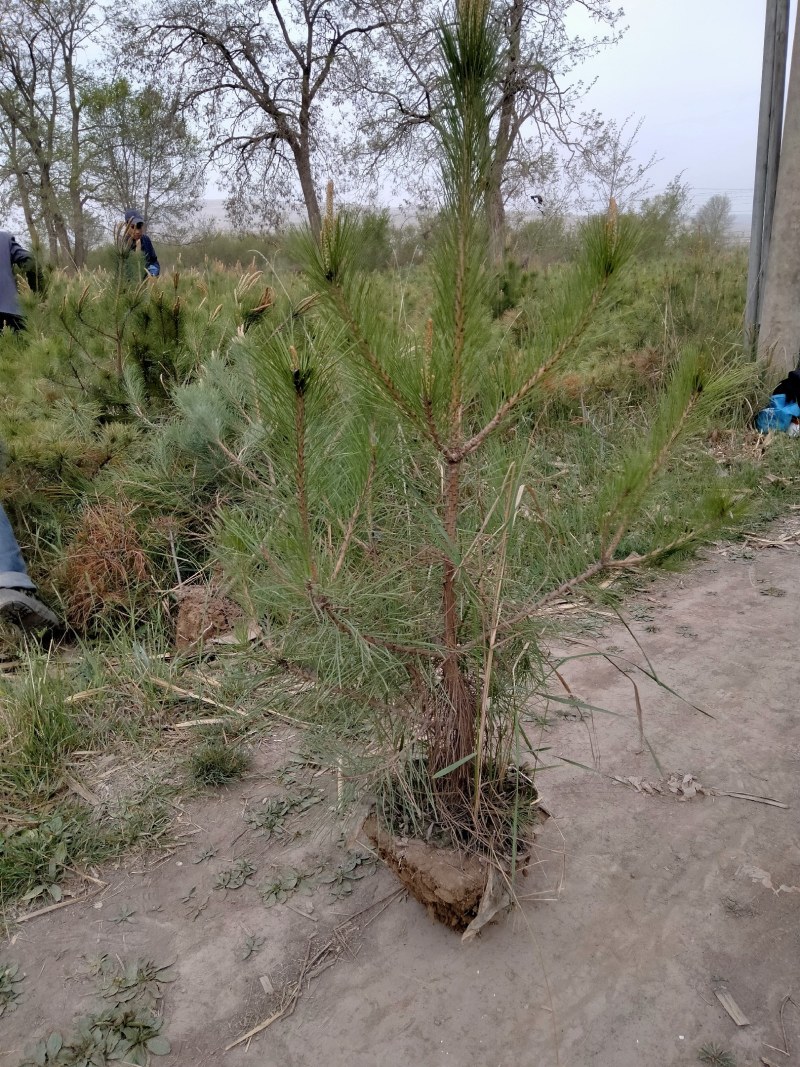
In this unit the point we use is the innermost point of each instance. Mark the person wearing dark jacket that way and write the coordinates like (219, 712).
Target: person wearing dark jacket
(134, 239)
(17, 602)
(12, 255)
(789, 387)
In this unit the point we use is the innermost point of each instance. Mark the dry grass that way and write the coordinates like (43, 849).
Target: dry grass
(105, 570)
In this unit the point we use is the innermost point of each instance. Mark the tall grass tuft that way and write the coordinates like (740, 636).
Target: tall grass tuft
(40, 731)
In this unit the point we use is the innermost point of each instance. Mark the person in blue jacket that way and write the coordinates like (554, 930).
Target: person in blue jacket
(134, 239)
(17, 601)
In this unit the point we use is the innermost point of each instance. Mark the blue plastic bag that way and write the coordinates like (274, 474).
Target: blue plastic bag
(779, 414)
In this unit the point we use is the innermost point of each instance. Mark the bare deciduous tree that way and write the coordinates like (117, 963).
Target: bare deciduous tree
(143, 150)
(714, 220)
(609, 169)
(41, 106)
(267, 79)
(536, 96)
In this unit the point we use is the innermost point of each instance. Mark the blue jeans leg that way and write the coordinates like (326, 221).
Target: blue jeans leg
(13, 574)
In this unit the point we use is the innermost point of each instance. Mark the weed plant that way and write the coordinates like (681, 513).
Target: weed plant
(11, 979)
(45, 831)
(126, 1031)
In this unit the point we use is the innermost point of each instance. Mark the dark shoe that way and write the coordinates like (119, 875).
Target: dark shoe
(23, 608)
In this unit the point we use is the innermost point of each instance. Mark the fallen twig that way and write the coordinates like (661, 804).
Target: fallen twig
(215, 704)
(163, 684)
(386, 901)
(751, 796)
(314, 966)
(305, 914)
(786, 1000)
(286, 1009)
(61, 904)
(88, 877)
(81, 790)
(774, 1049)
(787, 541)
(258, 1029)
(193, 722)
(77, 698)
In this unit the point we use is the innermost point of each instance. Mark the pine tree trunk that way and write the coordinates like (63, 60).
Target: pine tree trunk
(454, 716)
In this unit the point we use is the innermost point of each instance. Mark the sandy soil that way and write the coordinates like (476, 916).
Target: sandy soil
(640, 908)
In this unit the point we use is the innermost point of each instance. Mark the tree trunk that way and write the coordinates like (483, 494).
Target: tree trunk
(45, 198)
(52, 240)
(30, 221)
(75, 170)
(54, 219)
(504, 137)
(496, 218)
(303, 161)
(24, 193)
(779, 336)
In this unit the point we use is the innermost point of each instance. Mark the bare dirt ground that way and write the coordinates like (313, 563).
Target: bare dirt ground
(640, 909)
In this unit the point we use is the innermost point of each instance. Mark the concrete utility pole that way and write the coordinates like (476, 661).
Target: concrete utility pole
(768, 147)
(779, 333)
(775, 127)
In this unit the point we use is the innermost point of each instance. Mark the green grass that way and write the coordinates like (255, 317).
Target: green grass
(215, 764)
(39, 729)
(50, 711)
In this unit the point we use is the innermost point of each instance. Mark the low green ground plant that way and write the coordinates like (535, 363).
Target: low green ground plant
(11, 978)
(126, 1030)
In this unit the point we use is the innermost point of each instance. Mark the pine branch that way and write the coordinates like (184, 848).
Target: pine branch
(605, 563)
(513, 401)
(652, 471)
(373, 363)
(351, 525)
(356, 695)
(323, 603)
(237, 462)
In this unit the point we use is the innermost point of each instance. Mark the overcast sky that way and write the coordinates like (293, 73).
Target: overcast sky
(692, 70)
